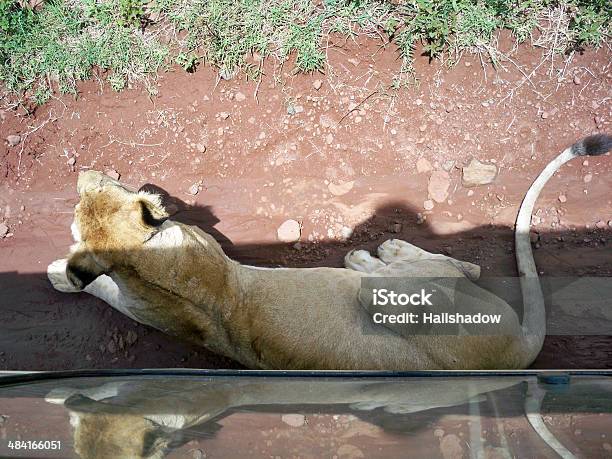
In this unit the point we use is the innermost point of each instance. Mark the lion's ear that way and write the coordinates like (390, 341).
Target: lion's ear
(82, 269)
(152, 212)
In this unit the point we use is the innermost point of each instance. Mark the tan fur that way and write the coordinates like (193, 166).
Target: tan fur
(176, 278)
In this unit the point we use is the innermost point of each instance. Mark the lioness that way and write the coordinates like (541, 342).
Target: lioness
(176, 278)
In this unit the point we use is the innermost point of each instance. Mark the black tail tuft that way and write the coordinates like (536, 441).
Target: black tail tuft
(593, 145)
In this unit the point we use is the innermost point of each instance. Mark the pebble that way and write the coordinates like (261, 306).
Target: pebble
(13, 140)
(240, 97)
(588, 178)
(71, 161)
(420, 218)
(224, 115)
(600, 224)
(112, 173)
(194, 189)
(329, 139)
(477, 173)
(577, 79)
(201, 148)
(294, 420)
(422, 165)
(3, 230)
(545, 115)
(428, 205)
(317, 84)
(562, 198)
(289, 231)
(438, 186)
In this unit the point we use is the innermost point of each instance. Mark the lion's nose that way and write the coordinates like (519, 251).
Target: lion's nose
(91, 180)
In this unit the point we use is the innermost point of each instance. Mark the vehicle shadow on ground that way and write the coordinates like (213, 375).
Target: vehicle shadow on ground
(44, 329)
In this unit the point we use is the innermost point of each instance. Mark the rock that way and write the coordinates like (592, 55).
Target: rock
(201, 148)
(13, 140)
(326, 121)
(420, 218)
(131, 337)
(317, 84)
(545, 115)
(345, 232)
(422, 165)
(197, 454)
(428, 205)
(588, 178)
(294, 420)
(451, 447)
(112, 173)
(477, 173)
(194, 189)
(448, 165)
(438, 186)
(562, 198)
(228, 74)
(600, 224)
(3, 230)
(71, 161)
(289, 231)
(329, 139)
(577, 79)
(396, 228)
(340, 189)
(240, 97)
(224, 115)
(438, 433)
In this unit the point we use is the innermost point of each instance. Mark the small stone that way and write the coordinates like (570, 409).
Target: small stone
(420, 218)
(13, 140)
(588, 178)
(201, 148)
(448, 165)
(289, 231)
(346, 232)
(112, 173)
(194, 189)
(3, 230)
(600, 224)
(477, 173)
(396, 228)
(317, 84)
(224, 115)
(71, 161)
(545, 115)
(326, 121)
(294, 420)
(470, 193)
(240, 97)
(428, 205)
(562, 198)
(329, 139)
(422, 165)
(438, 433)
(438, 186)
(577, 79)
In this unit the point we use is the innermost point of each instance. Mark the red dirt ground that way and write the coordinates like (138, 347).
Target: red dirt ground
(335, 173)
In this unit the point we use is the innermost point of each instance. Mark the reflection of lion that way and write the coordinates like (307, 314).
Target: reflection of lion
(176, 278)
(147, 418)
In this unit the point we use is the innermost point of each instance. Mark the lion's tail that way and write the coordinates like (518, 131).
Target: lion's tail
(534, 315)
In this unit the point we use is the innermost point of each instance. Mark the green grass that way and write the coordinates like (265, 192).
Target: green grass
(129, 41)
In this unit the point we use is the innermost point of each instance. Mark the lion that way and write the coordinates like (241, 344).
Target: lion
(176, 278)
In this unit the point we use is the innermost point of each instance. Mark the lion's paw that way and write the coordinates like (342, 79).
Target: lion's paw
(56, 272)
(361, 260)
(398, 250)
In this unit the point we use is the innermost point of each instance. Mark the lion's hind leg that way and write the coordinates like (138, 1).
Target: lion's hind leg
(394, 250)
